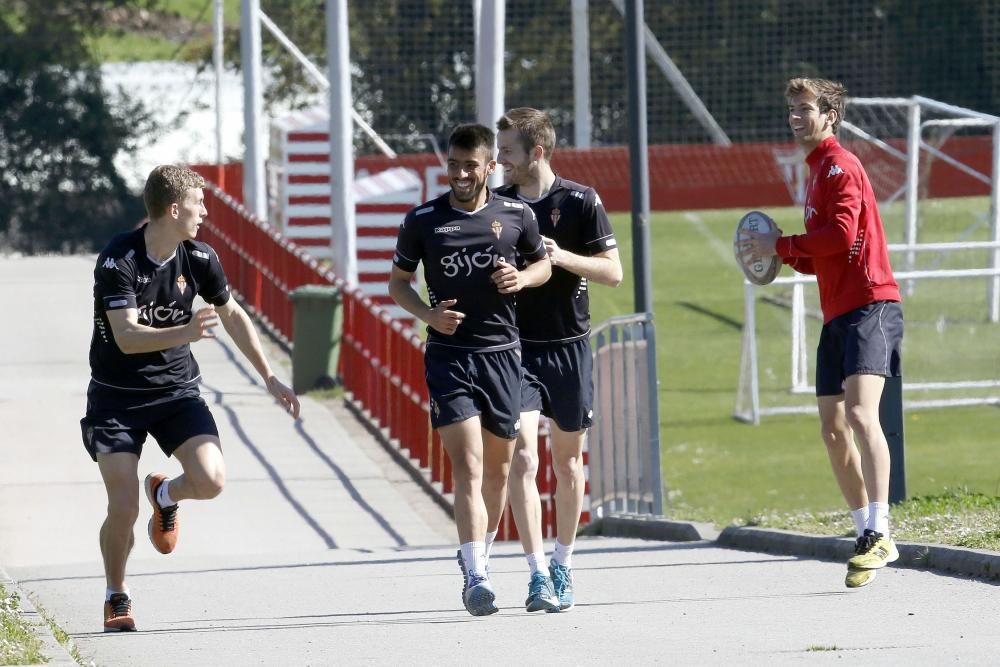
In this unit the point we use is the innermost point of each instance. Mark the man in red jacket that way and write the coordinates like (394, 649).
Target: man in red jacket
(844, 246)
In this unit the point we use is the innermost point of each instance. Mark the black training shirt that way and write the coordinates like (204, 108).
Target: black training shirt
(573, 216)
(126, 277)
(459, 250)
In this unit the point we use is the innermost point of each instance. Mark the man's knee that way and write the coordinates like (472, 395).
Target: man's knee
(206, 483)
(210, 484)
(524, 464)
(570, 467)
(862, 419)
(123, 509)
(835, 430)
(466, 465)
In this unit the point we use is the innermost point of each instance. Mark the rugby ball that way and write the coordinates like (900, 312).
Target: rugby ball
(758, 270)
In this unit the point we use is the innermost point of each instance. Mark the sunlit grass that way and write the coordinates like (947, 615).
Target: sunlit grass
(18, 644)
(719, 470)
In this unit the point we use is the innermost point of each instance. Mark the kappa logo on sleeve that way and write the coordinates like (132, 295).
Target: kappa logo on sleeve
(834, 170)
(109, 263)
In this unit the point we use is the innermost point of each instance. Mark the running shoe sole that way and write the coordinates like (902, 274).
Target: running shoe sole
(479, 601)
(858, 577)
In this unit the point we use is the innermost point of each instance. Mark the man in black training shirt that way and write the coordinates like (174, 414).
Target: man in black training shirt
(554, 323)
(467, 241)
(144, 380)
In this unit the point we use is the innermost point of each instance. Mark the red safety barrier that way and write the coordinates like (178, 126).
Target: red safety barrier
(381, 359)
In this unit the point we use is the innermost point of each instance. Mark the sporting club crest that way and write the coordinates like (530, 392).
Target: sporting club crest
(497, 228)
(555, 216)
(181, 283)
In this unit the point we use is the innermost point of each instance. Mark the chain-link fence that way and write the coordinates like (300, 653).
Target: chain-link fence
(414, 61)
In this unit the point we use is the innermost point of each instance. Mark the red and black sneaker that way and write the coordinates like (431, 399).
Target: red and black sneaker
(118, 614)
(163, 525)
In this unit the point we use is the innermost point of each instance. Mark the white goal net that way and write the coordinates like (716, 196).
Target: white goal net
(934, 168)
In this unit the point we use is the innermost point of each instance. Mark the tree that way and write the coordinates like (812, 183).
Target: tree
(58, 136)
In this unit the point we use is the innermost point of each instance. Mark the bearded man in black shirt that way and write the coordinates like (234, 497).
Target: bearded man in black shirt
(467, 241)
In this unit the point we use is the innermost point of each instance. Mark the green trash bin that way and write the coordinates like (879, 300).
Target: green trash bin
(316, 329)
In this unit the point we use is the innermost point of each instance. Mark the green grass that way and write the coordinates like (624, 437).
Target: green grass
(179, 30)
(201, 9)
(118, 46)
(723, 471)
(18, 644)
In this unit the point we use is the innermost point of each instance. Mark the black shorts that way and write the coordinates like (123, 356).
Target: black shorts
(119, 422)
(865, 341)
(464, 384)
(558, 381)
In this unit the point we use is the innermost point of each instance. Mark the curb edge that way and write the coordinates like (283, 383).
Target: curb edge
(975, 563)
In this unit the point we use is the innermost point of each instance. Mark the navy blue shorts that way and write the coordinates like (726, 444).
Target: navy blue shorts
(864, 341)
(117, 422)
(464, 384)
(558, 381)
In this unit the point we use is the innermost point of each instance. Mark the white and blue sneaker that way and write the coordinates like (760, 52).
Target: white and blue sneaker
(541, 594)
(478, 596)
(562, 581)
(465, 574)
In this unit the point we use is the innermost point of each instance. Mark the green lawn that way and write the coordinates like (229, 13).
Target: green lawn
(179, 30)
(721, 470)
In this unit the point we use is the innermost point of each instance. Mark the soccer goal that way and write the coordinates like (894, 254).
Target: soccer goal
(934, 167)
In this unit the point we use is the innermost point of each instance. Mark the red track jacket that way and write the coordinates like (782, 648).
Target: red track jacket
(844, 244)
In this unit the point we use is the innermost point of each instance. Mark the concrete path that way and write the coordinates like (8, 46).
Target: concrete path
(320, 552)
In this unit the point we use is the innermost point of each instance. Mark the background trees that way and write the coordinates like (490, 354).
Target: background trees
(59, 190)
(413, 77)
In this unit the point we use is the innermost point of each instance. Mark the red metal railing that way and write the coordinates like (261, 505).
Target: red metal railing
(381, 359)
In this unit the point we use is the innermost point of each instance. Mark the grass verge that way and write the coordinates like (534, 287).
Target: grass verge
(958, 517)
(18, 644)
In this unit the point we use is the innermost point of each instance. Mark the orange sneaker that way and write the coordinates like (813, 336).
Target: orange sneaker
(118, 614)
(163, 525)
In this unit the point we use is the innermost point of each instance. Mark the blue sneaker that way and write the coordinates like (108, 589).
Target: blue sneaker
(479, 596)
(465, 574)
(562, 580)
(541, 595)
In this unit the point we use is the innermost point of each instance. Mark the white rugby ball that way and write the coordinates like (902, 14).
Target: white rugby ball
(758, 270)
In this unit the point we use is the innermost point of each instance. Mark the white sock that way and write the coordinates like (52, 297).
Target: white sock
(878, 518)
(860, 517)
(490, 538)
(108, 593)
(474, 555)
(563, 555)
(536, 562)
(163, 498)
